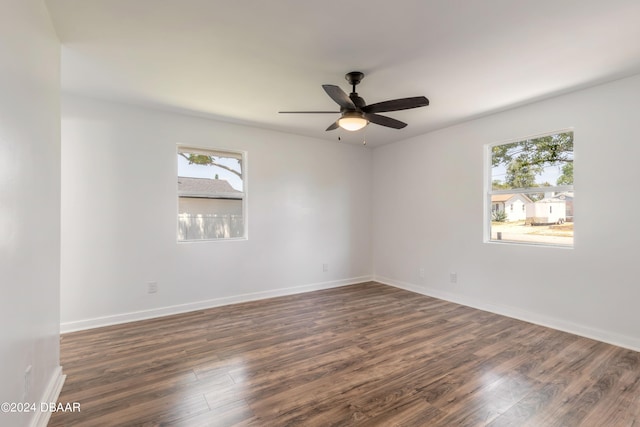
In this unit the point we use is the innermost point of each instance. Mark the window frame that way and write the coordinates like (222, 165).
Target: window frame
(489, 192)
(243, 155)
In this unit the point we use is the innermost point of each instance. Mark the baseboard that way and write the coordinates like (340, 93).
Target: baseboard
(200, 305)
(550, 322)
(51, 393)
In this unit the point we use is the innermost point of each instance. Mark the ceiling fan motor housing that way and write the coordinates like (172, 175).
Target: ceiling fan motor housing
(357, 101)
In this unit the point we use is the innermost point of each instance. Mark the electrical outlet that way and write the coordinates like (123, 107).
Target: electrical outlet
(325, 267)
(421, 273)
(152, 287)
(453, 277)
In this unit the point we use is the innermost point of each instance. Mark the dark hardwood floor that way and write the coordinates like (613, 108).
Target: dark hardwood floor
(367, 354)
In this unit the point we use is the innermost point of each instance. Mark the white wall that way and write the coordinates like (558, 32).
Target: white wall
(308, 204)
(428, 212)
(29, 205)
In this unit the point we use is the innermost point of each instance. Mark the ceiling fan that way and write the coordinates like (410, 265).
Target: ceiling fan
(356, 114)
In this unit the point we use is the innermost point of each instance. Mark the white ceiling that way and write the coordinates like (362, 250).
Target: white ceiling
(245, 60)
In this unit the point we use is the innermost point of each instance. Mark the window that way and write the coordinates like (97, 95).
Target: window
(211, 194)
(538, 174)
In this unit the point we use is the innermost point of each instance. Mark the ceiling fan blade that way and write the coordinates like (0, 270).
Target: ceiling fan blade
(333, 126)
(309, 112)
(384, 121)
(397, 104)
(339, 96)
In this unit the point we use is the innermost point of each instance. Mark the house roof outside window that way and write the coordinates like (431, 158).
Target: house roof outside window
(207, 188)
(503, 198)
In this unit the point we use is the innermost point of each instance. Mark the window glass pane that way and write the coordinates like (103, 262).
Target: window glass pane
(539, 162)
(210, 194)
(531, 191)
(546, 221)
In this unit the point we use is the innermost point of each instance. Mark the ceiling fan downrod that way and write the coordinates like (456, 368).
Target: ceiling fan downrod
(354, 78)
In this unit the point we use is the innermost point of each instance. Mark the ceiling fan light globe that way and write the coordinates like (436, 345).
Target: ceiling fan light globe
(352, 123)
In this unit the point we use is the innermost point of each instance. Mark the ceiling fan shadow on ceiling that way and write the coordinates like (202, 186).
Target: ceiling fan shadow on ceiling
(355, 114)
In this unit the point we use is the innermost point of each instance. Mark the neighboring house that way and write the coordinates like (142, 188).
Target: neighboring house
(208, 196)
(546, 211)
(511, 204)
(208, 209)
(567, 197)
